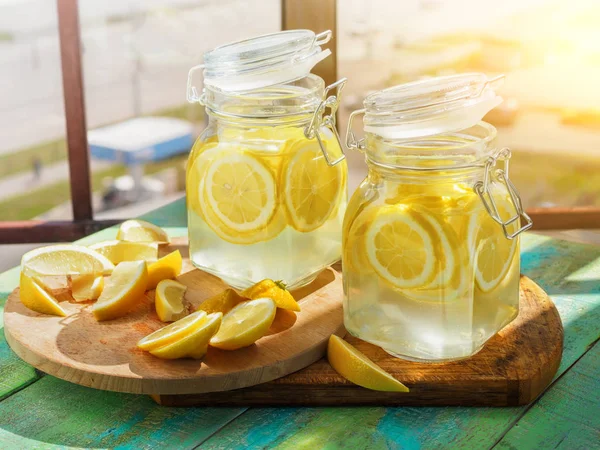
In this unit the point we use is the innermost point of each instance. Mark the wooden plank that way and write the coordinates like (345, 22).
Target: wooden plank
(52, 413)
(46, 231)
(569, 272)
(512, 369)
(565, 218)
(318, 16)
(568, 416)
(73, 91)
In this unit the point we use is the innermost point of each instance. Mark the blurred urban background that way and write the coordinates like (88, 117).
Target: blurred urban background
(137, 53)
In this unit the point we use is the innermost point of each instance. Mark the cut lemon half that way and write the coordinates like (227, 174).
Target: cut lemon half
(241, 191)
(401, 247)
(123, 291)
(141, 231)
(119, 251)
(493, 252)
(357, 368)
(312, 188)
(34, 297)
(193, 344)
(167, 267)
(168, 300)
(65, 259)
(86, 287)
(245, 324)
(173, 332)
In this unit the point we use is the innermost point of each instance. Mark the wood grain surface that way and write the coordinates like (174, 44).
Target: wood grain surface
(104, 355)
(512, 369)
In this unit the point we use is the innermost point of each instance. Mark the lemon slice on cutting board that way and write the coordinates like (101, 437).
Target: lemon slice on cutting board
(401, 247)
(312, 189)
(141, 231)
(173, 332)
(223, 302)
(169, 300)
(241, 192)
(86, 287)
(34, 297)
(194, 344)
(275, 290)
(494, 253)
(167, 267)
(65, 259)
(119, 251)
(124, 289)
(357, 368)
(245, 324)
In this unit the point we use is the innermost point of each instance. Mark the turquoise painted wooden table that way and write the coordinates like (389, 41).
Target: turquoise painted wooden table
(40, 411)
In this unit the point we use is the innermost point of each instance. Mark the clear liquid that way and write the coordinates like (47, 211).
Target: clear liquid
(279, 250)
(452, 321)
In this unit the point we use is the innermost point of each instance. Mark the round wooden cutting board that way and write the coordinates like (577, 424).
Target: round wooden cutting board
(104, 355)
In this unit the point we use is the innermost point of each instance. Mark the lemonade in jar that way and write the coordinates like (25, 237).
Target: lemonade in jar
(266, 181)
(430, 237)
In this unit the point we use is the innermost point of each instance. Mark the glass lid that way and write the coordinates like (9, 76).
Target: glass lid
(431, 106)
(264, 61)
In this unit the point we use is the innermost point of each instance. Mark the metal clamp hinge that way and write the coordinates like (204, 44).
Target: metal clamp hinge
(320, 119)
(522, 220)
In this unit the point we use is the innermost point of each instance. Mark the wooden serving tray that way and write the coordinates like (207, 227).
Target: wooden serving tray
(513, 368)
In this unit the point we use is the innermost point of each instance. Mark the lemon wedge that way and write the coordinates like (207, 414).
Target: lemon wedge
(241, 192)
(192, 345)
(245, 324)
(172, 332)
(65, 259)
(34, 297)
(275, 290)
(168, 266)
(119, 251)
(123, 291)
(86, 287)
(401, 247)
(141, 231)
(223, 302)
(169, 300)
(312, 189)
(357, 368)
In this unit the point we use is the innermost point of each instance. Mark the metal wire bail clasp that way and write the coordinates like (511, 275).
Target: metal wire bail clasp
(483, 190)
(351, 141)
(320, 119)
(192, 91)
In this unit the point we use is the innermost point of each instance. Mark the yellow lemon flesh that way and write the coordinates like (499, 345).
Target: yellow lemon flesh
(275, 290)
(223, 302)
(86, 287)
(401, 247)
(241, 192)
(119, 251)
(245, 324)
(124, 290)
(357, 368)
(141, 231)
(65, 259)
(167, 267)
(171, 333)
(34, 297)
(494, 253)
(169, 300)
(192, 345)
(313, 189)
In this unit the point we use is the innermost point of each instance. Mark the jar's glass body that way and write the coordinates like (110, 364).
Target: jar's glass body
(262, 200)
(470, 284)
